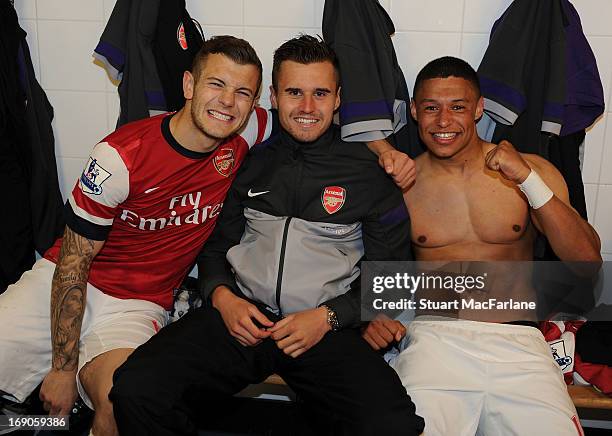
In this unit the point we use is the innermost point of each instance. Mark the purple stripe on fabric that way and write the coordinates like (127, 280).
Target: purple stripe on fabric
(22, 66)
(394, 216)
(114, 56)
(373, 109)
(156, 99)
(553, 111)
(502, 94)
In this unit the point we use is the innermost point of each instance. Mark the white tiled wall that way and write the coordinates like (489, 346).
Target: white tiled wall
(62, 34)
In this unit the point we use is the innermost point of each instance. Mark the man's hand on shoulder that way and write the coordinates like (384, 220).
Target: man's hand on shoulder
(395, 163)
(238, 315)
(399, 166)
(382, 331)
(505, 159)
(300, 331)
(59, 391)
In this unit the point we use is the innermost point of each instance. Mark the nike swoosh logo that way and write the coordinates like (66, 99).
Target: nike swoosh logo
(148, 191)
(255, 194)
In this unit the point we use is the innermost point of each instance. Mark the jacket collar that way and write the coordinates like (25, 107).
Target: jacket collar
(324, 140)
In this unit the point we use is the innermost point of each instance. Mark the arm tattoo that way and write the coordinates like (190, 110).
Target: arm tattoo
(68, 292)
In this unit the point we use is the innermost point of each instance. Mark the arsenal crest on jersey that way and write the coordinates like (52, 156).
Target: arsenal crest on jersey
(180, 36)
(224, 161)
(333, 198)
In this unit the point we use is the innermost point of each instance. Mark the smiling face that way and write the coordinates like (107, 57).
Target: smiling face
(446, 111)
(221, 99)
(306, 97)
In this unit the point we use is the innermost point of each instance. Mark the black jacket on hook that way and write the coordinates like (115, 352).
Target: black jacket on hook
(539, 74)
(28, 172)
(375, 98)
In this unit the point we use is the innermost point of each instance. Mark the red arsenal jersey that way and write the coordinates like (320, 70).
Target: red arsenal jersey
(154, 203)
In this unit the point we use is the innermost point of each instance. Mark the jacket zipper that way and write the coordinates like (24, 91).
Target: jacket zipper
(279, 280)
(281, 263)
(298, 182)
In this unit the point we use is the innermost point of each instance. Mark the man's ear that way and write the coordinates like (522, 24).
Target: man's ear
(479, 108)
(337, 102)
(273, 100)
(413, 110)
(188, 85)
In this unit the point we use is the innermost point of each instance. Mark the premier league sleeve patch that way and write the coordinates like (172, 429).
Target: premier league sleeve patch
(333, 198)
(561, 356)
(93, 177)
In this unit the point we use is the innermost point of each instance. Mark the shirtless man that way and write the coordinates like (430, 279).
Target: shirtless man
(477, 201)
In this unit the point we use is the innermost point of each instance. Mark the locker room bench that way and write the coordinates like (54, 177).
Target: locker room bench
(587, 397)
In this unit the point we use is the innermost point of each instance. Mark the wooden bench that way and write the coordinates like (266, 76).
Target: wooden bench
(586, 397)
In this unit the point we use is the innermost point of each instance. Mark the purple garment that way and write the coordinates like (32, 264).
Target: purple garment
(584, 100)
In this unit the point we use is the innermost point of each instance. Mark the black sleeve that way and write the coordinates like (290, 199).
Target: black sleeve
(213, 267)
(386, 236)
(83, 227)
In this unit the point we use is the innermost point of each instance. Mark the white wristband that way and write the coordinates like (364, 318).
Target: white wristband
(536, 191)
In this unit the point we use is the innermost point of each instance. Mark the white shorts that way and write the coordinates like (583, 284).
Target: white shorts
(25, 329)
(468, 378)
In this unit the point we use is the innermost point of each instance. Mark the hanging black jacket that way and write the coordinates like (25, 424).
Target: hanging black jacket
(45, 196)
(129, 50)
(177, 41)
(28, 172)
(375, 97)
(539, 74)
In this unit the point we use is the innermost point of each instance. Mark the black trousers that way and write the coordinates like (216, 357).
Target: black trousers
(158, 390)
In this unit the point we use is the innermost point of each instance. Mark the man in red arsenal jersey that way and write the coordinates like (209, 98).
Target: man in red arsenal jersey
(144, 205)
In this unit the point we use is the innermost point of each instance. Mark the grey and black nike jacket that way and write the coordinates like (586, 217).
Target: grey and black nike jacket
(298, 220)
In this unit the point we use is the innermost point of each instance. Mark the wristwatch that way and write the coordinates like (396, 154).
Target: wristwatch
(332, 318)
